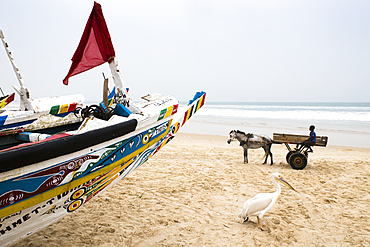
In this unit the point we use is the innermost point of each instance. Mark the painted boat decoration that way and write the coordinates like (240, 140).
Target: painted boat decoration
(52, 173)
(6, 99)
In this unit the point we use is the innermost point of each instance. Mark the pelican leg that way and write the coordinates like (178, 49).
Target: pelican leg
(261, 225)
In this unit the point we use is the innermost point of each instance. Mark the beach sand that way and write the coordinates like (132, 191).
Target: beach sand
(190, 194)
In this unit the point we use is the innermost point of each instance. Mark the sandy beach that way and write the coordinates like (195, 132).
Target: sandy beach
(191, 192)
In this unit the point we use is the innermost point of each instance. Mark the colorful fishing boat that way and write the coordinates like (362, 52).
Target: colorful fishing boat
(53, 173)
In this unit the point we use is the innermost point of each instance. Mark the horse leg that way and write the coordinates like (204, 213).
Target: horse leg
(270, 153)
(265, 148)
(272, 162)
(266, 156)
(245, 155)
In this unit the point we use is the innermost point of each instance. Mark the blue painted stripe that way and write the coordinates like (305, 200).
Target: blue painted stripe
(9, 126)
(27, 136)
(3, 119)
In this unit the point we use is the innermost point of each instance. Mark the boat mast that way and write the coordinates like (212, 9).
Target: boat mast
(25, 103)
(121, 90)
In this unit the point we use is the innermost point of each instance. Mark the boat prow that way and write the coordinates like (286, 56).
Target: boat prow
(48, 173)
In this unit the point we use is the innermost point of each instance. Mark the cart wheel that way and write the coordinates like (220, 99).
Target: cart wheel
(298, 161)
(288, 156)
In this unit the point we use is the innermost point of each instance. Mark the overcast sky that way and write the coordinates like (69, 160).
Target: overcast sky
(272, 50)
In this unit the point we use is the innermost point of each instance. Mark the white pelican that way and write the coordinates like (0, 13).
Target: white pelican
(263, 202)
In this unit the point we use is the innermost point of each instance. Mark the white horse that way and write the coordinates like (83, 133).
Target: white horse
(252, 141)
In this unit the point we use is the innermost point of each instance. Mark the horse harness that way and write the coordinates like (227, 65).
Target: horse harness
(247, 141)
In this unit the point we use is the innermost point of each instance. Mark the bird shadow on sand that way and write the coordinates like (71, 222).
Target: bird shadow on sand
(254, 226)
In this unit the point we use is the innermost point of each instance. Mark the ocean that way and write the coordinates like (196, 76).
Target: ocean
(346, 124)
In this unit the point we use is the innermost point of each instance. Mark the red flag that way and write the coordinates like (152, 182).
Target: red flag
(95, 46)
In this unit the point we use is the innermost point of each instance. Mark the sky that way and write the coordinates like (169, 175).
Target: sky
(234, 50)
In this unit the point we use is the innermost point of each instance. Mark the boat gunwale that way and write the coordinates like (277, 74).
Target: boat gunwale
(14, 158)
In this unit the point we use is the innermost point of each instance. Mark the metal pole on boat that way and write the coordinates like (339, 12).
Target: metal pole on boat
(118, 82)
(25, 103)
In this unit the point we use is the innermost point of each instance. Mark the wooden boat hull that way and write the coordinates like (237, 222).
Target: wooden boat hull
(37, 189)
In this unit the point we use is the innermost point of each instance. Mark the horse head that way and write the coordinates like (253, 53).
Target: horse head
(232, 136)
(239, 135)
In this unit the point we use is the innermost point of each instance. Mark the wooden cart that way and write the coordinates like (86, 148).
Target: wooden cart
(297, 157)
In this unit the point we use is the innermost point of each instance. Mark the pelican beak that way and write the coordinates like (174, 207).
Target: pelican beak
(281, 180)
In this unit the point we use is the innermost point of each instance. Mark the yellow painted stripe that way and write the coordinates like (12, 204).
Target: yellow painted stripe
(163, 143)
(3, 103)
(70, 185)
(188, 115)
(109, 175)
(169, 111)
(63, 108)
(200, 102)
(160, 147)
(104, 184)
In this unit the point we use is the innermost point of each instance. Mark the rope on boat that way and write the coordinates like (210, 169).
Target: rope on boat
(94, 110)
